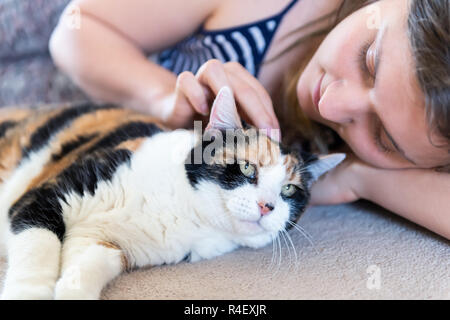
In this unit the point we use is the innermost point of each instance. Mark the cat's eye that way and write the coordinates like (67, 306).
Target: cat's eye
(288, 190)
(248, 169)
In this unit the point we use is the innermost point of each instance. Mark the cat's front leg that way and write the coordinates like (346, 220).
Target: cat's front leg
(87, 266)
(33, 265)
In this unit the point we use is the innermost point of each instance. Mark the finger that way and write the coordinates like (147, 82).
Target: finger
(250, 103)
(237, 69)
(182, 113)
(188, 85)
(213, 75)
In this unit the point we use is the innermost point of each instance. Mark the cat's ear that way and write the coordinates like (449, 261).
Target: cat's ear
(224, 114)
(323, 164)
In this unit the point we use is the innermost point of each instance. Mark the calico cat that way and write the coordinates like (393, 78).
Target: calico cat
(90, 191)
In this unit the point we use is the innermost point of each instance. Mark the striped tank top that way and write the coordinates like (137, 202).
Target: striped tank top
(246, 44)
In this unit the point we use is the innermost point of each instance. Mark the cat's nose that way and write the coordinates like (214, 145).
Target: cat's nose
(265, 208)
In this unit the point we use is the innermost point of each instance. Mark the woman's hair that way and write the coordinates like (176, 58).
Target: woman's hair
(429, 34)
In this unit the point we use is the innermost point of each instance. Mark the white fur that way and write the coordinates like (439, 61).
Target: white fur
(152, 213)
(148, 210)
(16, 185)
(86, 269)
(148, 213)
(33, 265)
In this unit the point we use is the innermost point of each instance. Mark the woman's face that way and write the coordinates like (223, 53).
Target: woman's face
(361, 82)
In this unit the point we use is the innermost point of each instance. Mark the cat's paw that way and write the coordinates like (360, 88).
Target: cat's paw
(27, 292)
(67, 291)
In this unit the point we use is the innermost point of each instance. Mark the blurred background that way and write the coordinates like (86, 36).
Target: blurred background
(27, 74)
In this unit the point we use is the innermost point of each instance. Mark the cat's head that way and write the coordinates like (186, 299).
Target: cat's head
(247, 185)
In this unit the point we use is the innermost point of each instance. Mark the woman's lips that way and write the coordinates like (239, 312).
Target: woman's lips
(317, 96)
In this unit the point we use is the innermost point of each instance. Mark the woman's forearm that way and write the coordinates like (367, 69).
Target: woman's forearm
(422, 196)
(109, 67)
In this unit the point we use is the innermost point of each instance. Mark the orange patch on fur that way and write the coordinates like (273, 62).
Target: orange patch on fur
(131, 145)
(109, 245)
(35, 120)
(14, 114)
(85, 125)
(51, 171)
(290, 163)
(257, 149)
(263, 152)
(10, 155)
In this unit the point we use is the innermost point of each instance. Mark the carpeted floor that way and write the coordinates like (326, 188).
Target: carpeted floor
(360, 252)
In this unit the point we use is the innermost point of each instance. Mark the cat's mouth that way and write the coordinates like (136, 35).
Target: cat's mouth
(254, 226)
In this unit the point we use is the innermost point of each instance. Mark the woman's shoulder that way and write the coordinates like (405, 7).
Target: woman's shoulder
(232, 13)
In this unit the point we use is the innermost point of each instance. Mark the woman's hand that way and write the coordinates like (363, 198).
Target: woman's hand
(340, 185)
(398, 190)
(194, 94)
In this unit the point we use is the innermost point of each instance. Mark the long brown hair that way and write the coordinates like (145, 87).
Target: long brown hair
(429, 34)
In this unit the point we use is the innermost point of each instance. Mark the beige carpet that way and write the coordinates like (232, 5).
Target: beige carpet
(360, 252)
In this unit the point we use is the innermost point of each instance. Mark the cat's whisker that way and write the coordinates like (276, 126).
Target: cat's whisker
(293, 248)
(304, 233)
(277, 255)
(301, 230)
(284, 234)
(275, 250)
(83, 163)
(272, 260)
(280, 254)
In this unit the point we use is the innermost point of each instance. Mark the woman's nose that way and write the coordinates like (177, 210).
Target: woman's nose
(343, 102)
(265, 208)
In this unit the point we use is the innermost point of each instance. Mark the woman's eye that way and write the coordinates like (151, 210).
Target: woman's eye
(288, 190)
(379, 142)
(248, 170)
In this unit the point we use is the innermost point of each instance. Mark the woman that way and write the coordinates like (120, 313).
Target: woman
(379, 78)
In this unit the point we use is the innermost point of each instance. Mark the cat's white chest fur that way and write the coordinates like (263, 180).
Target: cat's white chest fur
(148, 208)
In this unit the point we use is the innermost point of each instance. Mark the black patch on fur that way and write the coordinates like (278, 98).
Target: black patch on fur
(40, 207)
(43, 134)
(68, 147)
(228, 176)
(299, 200)
(298, 152)
(89, 170)
(187, 257)
(297, 204)
(129, 131)
(5, 126)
